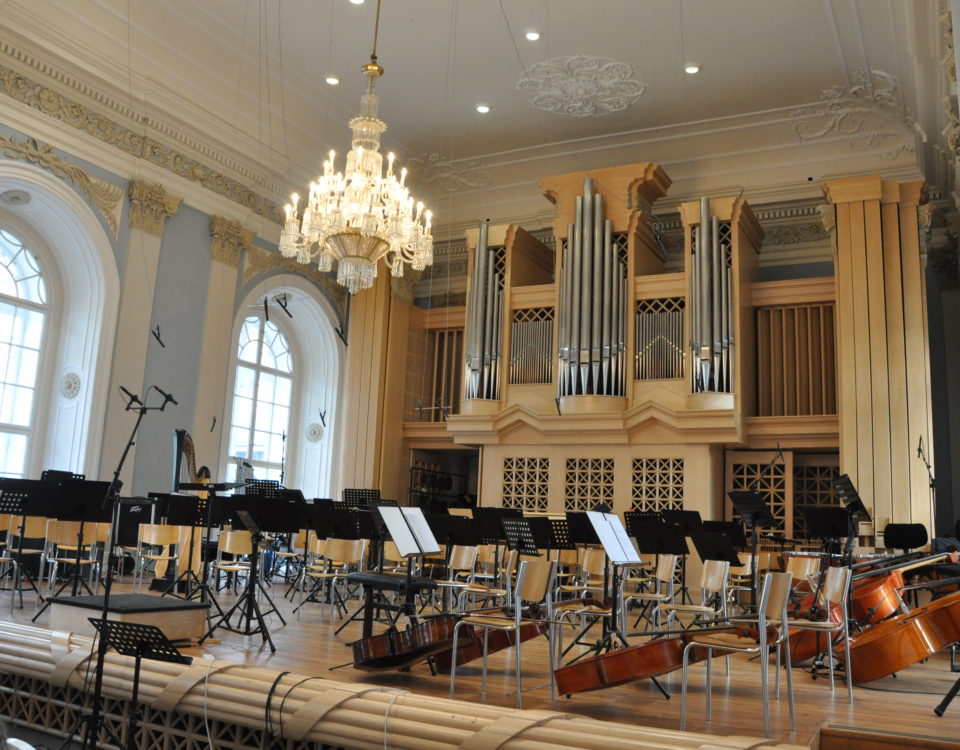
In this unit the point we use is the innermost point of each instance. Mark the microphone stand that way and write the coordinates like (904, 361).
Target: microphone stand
(922, 455)
(93, 718)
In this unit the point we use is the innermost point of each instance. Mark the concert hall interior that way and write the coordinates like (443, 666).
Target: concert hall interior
(339, 338)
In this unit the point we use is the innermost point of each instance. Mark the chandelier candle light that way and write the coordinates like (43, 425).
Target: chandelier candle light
(360, 215)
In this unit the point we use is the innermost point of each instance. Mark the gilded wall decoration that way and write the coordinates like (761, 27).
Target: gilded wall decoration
(78, 116)
(870, 111)
(150, 205)
(259, 261)
(580, 85)
(227, 239)
(104, 196)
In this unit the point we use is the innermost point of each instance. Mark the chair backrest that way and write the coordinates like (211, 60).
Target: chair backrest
(237, 542)
(159, 534)
(535, 579)
(774, 595)
(594, 563)
(390, 553)
(743, 570)
(713, 578)
(348, 551)
(462, 557)
(803, 565)
(836, 585)
(65, 533)
(666, 567)
(767, 560)
(34, 527)
(463, 512)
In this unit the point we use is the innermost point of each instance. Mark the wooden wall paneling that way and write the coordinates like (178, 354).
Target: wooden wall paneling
(803, 360)
(879, 381)
(846, 349)
(861, 343)
(764, 396)
(918, 383)
(393, 480)
(776, 360)
(790, 361)
(897, 358)
(829, 354)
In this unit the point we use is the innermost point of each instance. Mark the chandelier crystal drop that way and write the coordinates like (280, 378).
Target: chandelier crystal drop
(352, 219)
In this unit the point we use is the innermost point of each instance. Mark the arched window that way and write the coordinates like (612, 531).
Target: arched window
(262, 398)
(23, 314)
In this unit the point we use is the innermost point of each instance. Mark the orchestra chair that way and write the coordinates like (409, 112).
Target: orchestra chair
(7, 561)
(835, 590)
(239, 545)
(292, 558)
(314, 553)
(713, 596)
(341, 556)
(772, 611)
(155, 543)
(61, 548)
(803, 567)
(663, 578)
(102, 537)
(34, 534)
(460, 570)
(533, 585)
(740, 579)
(486, 593)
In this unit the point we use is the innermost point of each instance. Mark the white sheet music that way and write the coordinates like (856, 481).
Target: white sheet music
(421, 530)
(400, 531)
(614, 538)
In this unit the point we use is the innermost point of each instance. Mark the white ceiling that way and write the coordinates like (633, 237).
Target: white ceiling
(248, 74)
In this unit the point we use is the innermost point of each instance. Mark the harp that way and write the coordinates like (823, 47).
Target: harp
(184, 472)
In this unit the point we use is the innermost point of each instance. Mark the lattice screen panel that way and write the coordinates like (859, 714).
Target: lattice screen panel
(531, 345)
(621, 242)
(659, 338)
(813, 477)
(39, 705)
(588, 481)
(657, 484)
(525, 483)
(753, 470)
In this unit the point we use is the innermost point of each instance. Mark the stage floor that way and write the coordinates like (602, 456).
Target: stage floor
(308, 646)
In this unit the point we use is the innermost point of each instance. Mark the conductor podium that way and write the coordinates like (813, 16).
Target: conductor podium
(180, 620)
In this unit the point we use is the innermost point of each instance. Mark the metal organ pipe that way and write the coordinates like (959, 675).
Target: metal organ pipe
(484, 315)
(710, 304)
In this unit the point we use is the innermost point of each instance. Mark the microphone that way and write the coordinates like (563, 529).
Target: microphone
(779, 451)
(130, 396)
(166, 396)
(920, 447)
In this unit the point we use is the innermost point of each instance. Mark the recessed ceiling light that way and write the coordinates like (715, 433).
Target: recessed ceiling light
(533, 35)
(357, 2)
(332, 80)
(691, 69)
(483, 108)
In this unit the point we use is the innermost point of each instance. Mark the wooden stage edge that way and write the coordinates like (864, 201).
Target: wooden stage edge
(885, 712)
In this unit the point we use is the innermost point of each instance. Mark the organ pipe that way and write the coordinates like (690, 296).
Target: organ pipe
(711, 306)
(484, 313)
(591, 314)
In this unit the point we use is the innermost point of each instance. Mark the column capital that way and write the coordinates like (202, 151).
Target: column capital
(150, 205)
(851, 189)
(227, 239)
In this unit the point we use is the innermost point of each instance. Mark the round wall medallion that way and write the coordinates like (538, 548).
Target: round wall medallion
(314, 432)
(581, 85)
(15, 198)
(70, 385)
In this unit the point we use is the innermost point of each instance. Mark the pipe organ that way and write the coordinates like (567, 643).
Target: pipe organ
(593, 292)
(659, 338)
(484, 335)
(711, 341)
(531, 346)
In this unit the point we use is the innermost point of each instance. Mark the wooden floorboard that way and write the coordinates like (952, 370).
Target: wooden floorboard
(308, 646)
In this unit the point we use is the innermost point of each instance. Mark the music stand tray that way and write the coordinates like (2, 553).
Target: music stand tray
(519, 536)
(715, 545)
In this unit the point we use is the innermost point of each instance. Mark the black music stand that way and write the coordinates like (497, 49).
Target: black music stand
(733, 530)
(359, 498)
(309, 522)
(520, 536)
(141, 641)
(715, 545)
(691, 523)
(490, 531)
(256, 515)
(80, 501)
(331, 520)
(25, 497)
(193, 511)
(657, 537)
(752, 508)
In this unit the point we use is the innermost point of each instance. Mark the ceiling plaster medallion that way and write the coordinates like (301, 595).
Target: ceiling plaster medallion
(70, 386)
(870, 111)
(581, 85)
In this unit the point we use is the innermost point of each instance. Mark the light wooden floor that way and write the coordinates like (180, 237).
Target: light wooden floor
(308, 647)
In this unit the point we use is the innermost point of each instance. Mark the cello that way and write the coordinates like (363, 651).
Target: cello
(398, 649)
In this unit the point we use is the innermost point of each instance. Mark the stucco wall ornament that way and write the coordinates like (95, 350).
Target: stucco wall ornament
(150, 205)
(104, 196)
(581, 85)
(870, 111)
(227, 239)
(447, 174)
(314, 432)
(70, 386)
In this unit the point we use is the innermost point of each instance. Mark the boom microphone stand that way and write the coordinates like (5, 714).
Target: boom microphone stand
(92, 719)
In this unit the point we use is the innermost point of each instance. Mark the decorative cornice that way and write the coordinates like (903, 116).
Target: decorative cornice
(76, 115)
(105, 196)
(227, 239)
(259, 261)
(150, 205)
(795, 234)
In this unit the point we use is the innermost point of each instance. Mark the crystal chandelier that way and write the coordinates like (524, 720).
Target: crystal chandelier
(360, 215)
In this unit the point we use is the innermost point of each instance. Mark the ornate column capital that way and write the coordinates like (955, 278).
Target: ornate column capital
(227, 239)
(150, 205)
(828, 218)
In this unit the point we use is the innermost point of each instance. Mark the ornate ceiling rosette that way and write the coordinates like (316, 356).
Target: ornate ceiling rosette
(581, 85)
